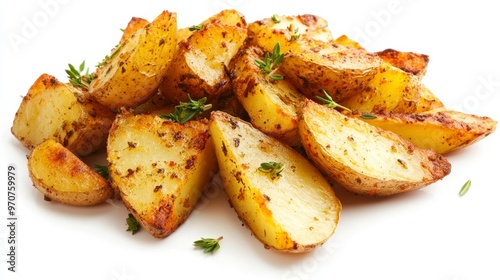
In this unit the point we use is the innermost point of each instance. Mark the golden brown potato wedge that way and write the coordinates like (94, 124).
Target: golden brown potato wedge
(295, 210)
(198, 68)
(390, 90)
(160, 168)
(441, 130)
(365, 159)
(53, 110)
(271, 104)
(133, 73)
(340, 70)
(61, 176)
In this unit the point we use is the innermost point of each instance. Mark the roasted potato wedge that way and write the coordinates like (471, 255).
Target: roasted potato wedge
(441, 130)
(198, 68)
(133, 73)
(61, 176)
(365, 159)
(53, 110)
(390, 90)
(160, 168)
(295, 210)
(271, 104)
(428, 101)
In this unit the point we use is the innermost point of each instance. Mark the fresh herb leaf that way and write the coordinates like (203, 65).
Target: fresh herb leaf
(102, 170)
(133, 225)
(465, 188)
(187, 110)
(196, 27)
(368, 116)
(270, 63)
(275, 19)
(274, 168)
(210, 245)
(77, 78)
(294, 32)
(328, 102)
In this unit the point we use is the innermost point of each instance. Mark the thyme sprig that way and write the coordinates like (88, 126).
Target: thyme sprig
(465, 188)
(187, 110)
(102, 170)
(210, 245)
(133, 224)
(79, 78)
(270, 63)
(328, 102)
(272, 167)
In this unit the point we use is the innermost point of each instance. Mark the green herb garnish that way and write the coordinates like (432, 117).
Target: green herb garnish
(465, 188)
(275, 19)
(294, 32)
(108, 57)
(328, 102)
(274, 168)
(133, 225)
(187, 110)
(210, 245)
(270, 63)
(196, 27)
(368, 116)
(77, 78)
(102, 170)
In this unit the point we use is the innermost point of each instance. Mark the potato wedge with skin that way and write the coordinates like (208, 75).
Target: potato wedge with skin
(365, 159)
(53, 110)
(441, 130)
(428, 101)
(61, 176)
(134, 71)
(199, 65)
(294, 211)
(414, 63)
(390, 90)
(272, 105)
(340, 70)
(160, 168)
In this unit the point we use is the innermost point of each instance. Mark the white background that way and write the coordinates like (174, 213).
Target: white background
(428, 234)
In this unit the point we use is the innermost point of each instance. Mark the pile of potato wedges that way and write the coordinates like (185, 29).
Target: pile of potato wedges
(279, 148)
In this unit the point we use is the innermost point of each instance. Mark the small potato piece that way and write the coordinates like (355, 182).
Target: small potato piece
(295, 211)
(441, 130)
(365, 159)
(271, 105)
(160, 168)
(135, 69)
(52, 110)
(199, 65)
(61, 176)
(390, 90)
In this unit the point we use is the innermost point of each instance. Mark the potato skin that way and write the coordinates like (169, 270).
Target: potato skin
(61, 176)
(53, 110)
(160, 168)
(134, 72)
(365, 159)
(294, 212)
